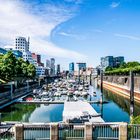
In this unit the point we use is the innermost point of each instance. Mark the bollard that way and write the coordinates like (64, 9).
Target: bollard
(54, 131)
(88, 131)
(123, 131)
(19, 132)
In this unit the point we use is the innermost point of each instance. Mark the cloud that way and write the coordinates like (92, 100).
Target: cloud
(115, 4)
(127, 36)
(37, 21)
(75, 36)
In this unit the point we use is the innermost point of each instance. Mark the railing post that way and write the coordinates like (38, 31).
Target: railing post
(54, 131)
(123, 131)
(19, 132)
(11, 92)
(131, 94)
(88, 131)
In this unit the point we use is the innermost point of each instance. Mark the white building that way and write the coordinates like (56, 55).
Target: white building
(22, 45)
(27, 56)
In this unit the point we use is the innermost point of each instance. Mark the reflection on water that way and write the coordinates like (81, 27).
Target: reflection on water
(116, 110)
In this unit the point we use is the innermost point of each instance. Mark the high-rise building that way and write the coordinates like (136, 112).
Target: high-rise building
(38, 58)
(22, 44)
(58, 69)
(107, 61)
(71, 67)
(52, 68)
(82, 66)
(118, 61)
(48, 63)
(110, 61)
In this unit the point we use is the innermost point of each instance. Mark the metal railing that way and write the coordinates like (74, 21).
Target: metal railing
(46, 131)
(36, 132)
(133, 132)
(71, 131)
(106, 131)
(7, 132)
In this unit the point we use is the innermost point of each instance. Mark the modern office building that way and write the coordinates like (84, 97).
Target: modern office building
(82, 66)
(3, 51)
(52, 68)
(48, 63)
(110, 61)
(118, 61)
(27, 56)
(40, 71)
(37, 60)
(71, 67)
(58, 69)
(17, 53)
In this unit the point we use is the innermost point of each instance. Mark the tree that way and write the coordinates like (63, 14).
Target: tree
(132, 64)
(8, 63)
(108, 68)
(31, 71)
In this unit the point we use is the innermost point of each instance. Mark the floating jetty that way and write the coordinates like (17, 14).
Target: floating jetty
(80, 111)
(56, 102)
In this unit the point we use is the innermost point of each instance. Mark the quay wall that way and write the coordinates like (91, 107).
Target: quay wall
(8, 96)
(121, 85)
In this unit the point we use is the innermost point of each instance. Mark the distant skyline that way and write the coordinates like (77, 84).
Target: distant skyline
(74, 30)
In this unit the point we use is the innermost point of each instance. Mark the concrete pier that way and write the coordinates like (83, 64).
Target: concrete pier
(75, 110)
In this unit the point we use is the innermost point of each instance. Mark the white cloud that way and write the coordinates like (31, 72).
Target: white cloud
(19, 19)
(127, 36)
(115, 4)
(75, 36)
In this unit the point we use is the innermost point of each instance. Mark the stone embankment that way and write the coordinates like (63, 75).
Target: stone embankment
(121, 85)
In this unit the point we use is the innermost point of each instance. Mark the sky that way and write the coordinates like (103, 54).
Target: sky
(74, 30)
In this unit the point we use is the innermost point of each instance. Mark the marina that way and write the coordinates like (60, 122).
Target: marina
(54, 105)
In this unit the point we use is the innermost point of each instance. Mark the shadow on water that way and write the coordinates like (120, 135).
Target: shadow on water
(17, 112)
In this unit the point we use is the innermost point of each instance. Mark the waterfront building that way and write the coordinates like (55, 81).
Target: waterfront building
(71, 67)
(3, 51)
(118, 61)
(40, 71)
(27, 56)
(82, 66)
(52, 68)
(110, 61)
(15, 52)
(58, 69)
(22, 44)
(37, 60)
(48, 63)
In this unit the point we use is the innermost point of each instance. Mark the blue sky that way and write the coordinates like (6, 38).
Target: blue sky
(74, 30)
